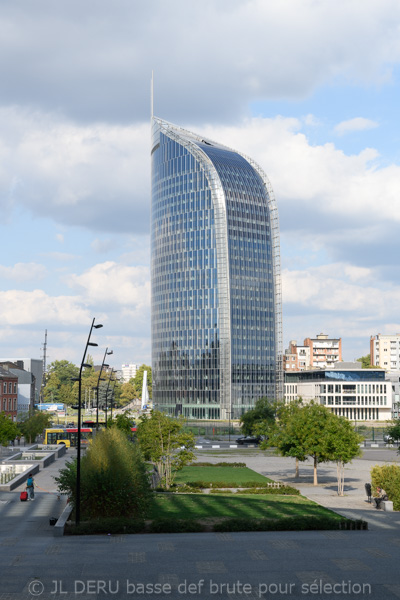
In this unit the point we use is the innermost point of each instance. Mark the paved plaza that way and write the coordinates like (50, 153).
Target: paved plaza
(320, 565)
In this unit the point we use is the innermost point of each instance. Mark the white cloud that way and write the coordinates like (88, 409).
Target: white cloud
(102, 246)
(320, 181)
(60, 238)
(86, 176)
(66, 56)
(115, 284)
(332, 288)
(23, 272)
(37, 307)
(356, 124)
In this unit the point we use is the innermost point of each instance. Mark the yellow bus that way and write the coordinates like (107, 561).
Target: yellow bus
(68, 436)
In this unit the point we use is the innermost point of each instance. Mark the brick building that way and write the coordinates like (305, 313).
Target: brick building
(8, 393)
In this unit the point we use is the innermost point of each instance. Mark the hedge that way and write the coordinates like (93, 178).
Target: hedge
(288, 524)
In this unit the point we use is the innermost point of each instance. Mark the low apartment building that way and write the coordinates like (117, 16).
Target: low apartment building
(347, 390)
(296, 358)
(324, 351)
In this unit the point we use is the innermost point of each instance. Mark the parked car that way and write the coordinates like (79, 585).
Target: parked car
(249, 439)
(388, 439)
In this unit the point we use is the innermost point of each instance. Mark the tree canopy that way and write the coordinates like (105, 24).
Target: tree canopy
(59, 381)
(33, 425)
(164, 442)
(9, 430)
(260, 418)
(343, 445)
(313, 431)
(393, 430)
(366, 362)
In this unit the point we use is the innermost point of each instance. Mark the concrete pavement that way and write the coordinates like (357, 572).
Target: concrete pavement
(34, 564)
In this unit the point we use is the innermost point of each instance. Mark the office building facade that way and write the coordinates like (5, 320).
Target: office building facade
(216, 297)
(352, 392)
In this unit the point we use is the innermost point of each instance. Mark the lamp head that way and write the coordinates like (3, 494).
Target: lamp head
(98, 326)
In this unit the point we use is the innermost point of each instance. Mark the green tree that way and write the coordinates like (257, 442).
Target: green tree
(164, 442)
(128, 393)
(8, 429)
(114, 481)
(313, 431)
(260, 418)
(285, 435)
(59, 382)
(343, 445)
(393, 430)
(366, 362)
(313, 423)
(33, 425)
(123, 422)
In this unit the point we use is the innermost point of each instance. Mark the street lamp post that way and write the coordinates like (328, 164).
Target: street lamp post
(112, 396)
(103, 364)
(78, 455)
(108, 386)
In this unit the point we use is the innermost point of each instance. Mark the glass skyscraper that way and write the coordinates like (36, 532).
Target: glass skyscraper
(215, 270)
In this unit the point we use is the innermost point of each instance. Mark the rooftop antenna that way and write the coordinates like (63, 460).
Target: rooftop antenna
(152, 95)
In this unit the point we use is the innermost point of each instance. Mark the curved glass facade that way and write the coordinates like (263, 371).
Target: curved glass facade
(214, 333)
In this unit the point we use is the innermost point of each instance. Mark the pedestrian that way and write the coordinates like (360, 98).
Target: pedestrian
(30, 487)
(382, 495)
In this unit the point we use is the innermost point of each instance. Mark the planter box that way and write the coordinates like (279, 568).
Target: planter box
(21, 474)
(43, 459)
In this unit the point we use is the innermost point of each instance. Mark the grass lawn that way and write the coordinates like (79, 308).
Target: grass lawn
(201, 506)
(228, 475)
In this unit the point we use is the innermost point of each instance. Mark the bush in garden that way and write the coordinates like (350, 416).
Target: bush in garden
(387, 477)
(114, 480)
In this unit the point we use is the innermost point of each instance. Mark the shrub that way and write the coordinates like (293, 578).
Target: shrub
(226, 484)
(285, 490)
(288, 524)
(186, 489)
(221, 492)
(114, 480)
(219, 464)
(172, 525)
(387, 477)
(116, 525)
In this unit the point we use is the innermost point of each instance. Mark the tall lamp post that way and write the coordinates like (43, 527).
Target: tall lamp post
(103, 364)
(108, 386)
(78, 455)
(112, 396)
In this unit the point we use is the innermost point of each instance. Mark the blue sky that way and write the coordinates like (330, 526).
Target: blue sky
(307, 88)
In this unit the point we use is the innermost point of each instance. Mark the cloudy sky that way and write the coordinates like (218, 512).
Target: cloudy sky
(310, 89)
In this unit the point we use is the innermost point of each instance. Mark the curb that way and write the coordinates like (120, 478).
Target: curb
(58, 529)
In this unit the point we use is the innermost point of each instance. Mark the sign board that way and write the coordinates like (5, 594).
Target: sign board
(49, 407)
